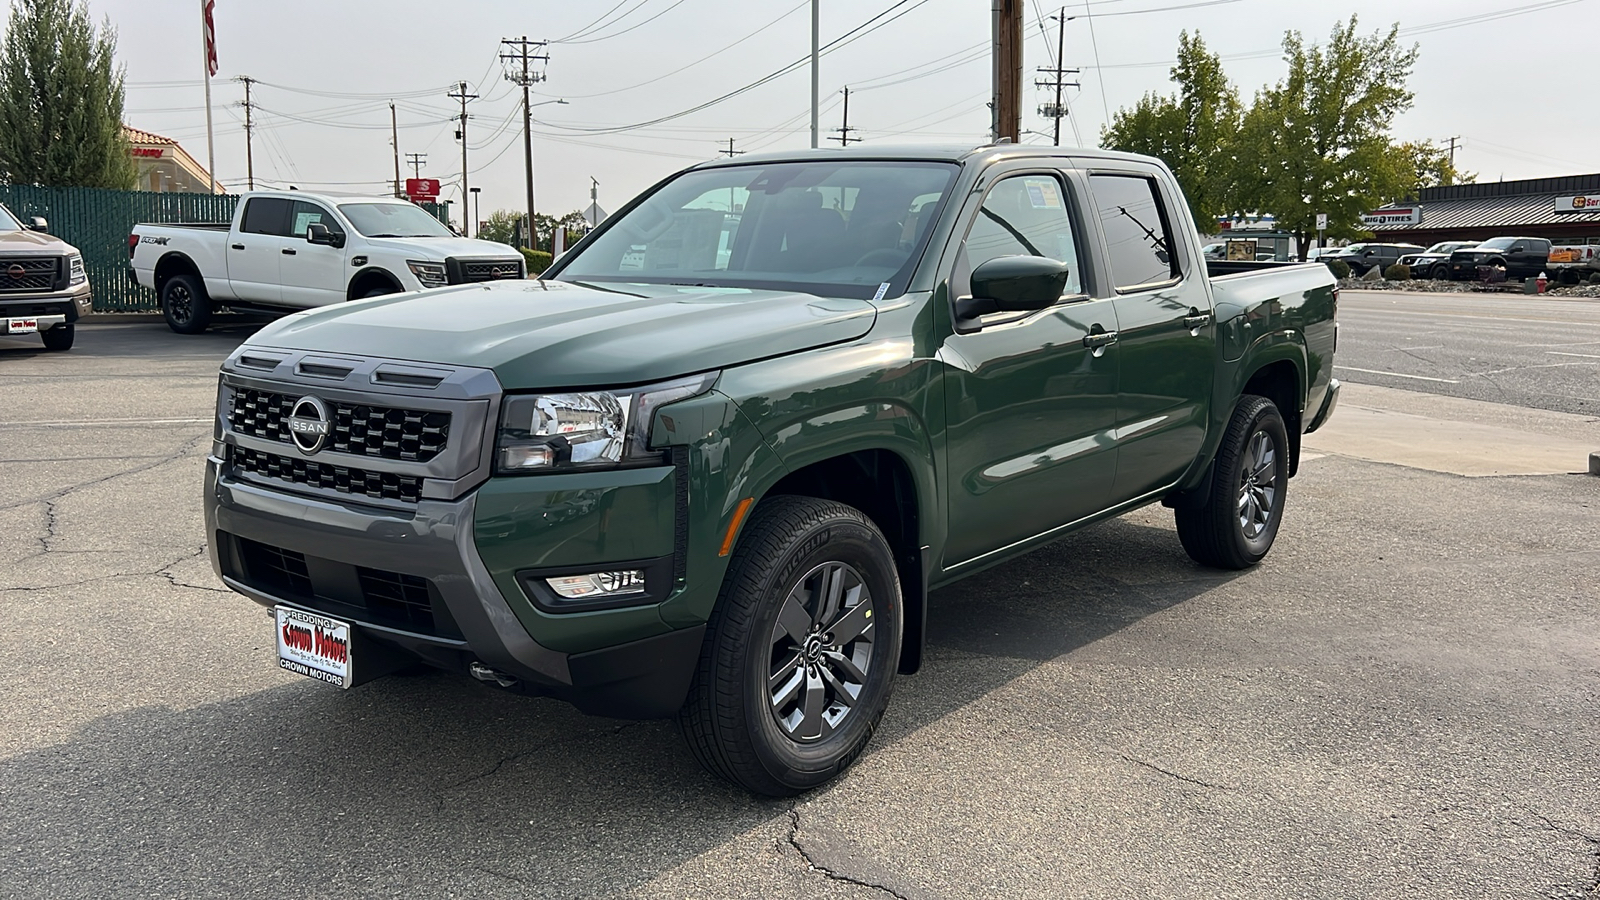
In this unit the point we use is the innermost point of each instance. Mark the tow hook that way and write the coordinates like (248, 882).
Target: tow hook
(490, 676)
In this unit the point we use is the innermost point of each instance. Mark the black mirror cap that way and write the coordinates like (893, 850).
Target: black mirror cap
(1014, 284)
(318, 233)
(38, 224)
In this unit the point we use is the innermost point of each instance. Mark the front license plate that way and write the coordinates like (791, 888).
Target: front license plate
(315, 646)
(22, 326)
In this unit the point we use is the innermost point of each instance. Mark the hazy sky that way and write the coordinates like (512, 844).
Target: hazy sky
(1516, 89)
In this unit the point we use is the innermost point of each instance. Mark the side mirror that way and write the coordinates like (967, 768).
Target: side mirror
(1014, 284)
(318, 233)
(38, 224)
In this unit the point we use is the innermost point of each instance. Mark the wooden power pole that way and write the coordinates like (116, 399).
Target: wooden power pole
(1007, 70)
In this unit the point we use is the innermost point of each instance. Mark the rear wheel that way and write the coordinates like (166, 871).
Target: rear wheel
(58, 338)
(801, 651)
(184, 304)
(1234, 527)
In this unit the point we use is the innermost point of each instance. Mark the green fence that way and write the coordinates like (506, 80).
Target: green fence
(98, 222)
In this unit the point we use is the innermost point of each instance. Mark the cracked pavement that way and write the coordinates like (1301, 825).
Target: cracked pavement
(1404, 700)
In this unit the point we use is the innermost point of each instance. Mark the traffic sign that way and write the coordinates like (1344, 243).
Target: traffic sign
(1322, 221)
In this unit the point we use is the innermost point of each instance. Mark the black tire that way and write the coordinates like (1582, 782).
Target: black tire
(1439, 273)
(1215, 533)
(58, 338)
(732, 716)
(378, 289)
(185, 304)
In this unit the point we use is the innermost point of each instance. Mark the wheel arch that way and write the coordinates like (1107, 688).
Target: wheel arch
(1282, 381)
(172, 263)
(370, 277)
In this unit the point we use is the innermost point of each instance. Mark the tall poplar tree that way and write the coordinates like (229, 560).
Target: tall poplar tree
(61, 96)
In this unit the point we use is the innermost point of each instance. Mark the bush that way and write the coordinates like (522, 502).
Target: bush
(1339, 268)
(1397, 272)
(538, 261)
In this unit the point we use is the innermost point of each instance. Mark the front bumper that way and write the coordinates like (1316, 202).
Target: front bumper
(339, 552)
(56, 308)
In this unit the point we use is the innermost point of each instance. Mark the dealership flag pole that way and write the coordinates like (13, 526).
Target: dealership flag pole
(209, 32)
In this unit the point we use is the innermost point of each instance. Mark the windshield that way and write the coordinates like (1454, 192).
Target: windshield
(845, 229)
(1353, 248)
(1497, 244)
(1448, 246)
(392, 220)
(7, 222)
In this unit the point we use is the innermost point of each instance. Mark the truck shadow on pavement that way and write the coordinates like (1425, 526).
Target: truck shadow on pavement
(433, 785)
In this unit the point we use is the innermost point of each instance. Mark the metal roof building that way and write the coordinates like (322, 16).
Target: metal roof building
(1564, 209)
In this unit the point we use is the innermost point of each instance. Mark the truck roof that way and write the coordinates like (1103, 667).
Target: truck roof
(953, 153)
(331, 199)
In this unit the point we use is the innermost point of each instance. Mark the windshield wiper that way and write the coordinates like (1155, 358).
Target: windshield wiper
(693, 284)
(601, 287)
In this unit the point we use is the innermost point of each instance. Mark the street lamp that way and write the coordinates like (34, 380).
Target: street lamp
(477, 211)
(527, 149)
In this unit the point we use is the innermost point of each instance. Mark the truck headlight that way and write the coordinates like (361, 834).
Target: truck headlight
(431, 274)
(584, 429)
(75, 271)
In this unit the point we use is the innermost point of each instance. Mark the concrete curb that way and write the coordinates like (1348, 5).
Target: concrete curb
(155, 318)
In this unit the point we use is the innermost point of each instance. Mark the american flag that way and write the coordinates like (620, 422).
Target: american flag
(211, 36)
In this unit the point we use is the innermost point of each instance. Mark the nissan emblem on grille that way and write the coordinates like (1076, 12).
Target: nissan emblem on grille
(16, 272)
(308, 424)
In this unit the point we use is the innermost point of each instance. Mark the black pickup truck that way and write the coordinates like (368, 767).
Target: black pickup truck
(1516, 257)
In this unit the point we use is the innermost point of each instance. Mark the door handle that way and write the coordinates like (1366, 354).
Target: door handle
(1098, 341)
(288, 252)
(237, 246)
(1196, 322)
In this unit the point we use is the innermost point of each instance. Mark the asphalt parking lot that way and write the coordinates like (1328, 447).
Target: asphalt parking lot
(1403, 700)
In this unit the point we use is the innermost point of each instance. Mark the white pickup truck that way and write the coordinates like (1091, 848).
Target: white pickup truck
(289, 250)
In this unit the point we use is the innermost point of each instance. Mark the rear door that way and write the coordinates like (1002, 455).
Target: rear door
(1030, 403)
(255, 251)
(1164, 321)
(312, 274)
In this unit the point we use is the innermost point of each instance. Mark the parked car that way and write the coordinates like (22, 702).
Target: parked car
(1517, 257)
(287, 251)
(43, 287)
(1321, 254)
(1434, 262)
(1361, 257)
(663, 481)
(1572, 263)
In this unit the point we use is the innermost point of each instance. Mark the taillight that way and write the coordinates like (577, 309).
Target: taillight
(133, 241)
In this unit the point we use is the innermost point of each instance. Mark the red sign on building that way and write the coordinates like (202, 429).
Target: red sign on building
(422, 189)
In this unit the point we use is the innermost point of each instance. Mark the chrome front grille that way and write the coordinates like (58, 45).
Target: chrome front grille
(28, 274)
(412, 435)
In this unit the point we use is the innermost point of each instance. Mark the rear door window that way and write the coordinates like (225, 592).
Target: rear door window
(266, 215)
(1138, 235)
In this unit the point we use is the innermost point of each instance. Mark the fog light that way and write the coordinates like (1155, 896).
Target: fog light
(525, 456)
(598, 584)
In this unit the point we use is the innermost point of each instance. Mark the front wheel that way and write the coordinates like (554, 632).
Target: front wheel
(801, 651)
(1234, 527)
(58, 338)
(1439, 273)
(185, 305)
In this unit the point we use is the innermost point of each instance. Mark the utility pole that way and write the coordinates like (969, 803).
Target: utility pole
(525, 54)
(1453, 151)
(415, 161)
(249, 128)
(1007, 23)
(815, 30)
(730, 152)
(394, 138)
(462, 95)
(844, 137)
(1058, 76)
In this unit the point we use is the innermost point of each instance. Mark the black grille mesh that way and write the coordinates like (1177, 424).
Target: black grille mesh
(38, 273)
(398, 597)
(413, 435)
(378, 485)
(491, 270)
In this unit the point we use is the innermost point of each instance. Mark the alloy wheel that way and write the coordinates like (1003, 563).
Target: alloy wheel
(178, 304)
(1258, 485)
(821, 652)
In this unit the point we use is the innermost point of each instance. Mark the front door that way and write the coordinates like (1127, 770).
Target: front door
(312, 274)
(1030, 407)
(1165, 334)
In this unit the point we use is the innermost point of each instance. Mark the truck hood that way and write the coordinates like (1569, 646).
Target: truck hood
(437, 248)
(551, 334)
(32, 243)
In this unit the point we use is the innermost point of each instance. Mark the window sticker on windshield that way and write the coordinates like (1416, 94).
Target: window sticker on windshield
(1043, 193)
(882, 289)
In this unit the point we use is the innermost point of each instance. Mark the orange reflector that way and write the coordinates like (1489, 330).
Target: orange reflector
(733, 526)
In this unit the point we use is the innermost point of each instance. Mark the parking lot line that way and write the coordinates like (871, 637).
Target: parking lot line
(1398, 374)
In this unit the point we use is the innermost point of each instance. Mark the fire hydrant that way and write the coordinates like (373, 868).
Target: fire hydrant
(1542, 281)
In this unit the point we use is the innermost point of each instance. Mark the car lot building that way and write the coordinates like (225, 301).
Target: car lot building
(1565, 209)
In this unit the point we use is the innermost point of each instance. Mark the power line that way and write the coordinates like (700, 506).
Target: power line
(603, 37)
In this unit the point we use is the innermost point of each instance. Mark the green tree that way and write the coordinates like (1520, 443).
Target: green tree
(1319, 140)
(1194, 131)
(501, 226)
(61, 95)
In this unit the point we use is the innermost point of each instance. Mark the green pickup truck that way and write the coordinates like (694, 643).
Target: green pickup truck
(712, 462)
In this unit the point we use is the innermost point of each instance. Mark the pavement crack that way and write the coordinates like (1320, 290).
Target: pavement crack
(48, 499)
(439, 802)
(1171, 774)
(172, 579)
(830, 874)
(1590, 891)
